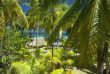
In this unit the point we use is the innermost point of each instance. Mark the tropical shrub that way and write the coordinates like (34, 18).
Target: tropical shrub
(19, 68)
(58, 71)
(13, 48)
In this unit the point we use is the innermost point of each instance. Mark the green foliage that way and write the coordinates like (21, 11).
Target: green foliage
(55, 60)
(58, 53)
(45, 5)
(95, 25)
(37, 52)
(19, 68)
(13, 48)
(11, 12)
(14, 70)
(71, 53)
(37, 67)
(61, 71)
(72, 14)
(41, 62)
(58, 71)
(69, 62)
(48, 23)
(88, 32)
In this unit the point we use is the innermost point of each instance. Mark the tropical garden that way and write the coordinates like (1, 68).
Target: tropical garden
(85, 50)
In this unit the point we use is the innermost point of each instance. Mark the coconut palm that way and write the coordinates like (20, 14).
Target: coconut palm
(32, 21)
(89, 31)
(50, 5)
(47, 20)
(34, 16)
(10, 13)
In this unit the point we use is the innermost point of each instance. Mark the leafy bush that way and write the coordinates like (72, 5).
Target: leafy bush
(58, 71)
(19, 68)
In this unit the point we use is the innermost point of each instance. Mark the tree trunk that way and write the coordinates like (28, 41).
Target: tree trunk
(52, 28)
(52, 54)
(106, 57)
(52, 49)
(100, 61)
(37, 36)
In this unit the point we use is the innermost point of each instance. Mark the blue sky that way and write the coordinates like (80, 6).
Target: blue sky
(25, 7)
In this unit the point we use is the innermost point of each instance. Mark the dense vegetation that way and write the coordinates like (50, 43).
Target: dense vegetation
(87, 23)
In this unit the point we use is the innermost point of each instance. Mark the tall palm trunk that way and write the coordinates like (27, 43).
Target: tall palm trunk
(52, 28)
(100, 56)
(37, 36)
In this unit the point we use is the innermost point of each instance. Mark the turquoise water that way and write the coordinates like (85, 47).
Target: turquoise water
(42, 35)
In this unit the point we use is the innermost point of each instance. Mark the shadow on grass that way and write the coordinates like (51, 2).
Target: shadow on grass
(88, 70)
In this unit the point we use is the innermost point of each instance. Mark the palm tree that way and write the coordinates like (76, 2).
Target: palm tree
(10, 12)
(34, 16)
(48, 19)
(32, 21)
(89, 31)
(50, 5)
(60, 11)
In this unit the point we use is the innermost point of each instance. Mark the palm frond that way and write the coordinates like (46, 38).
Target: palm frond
(68, 17)
(12, 12)
(90, 31)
